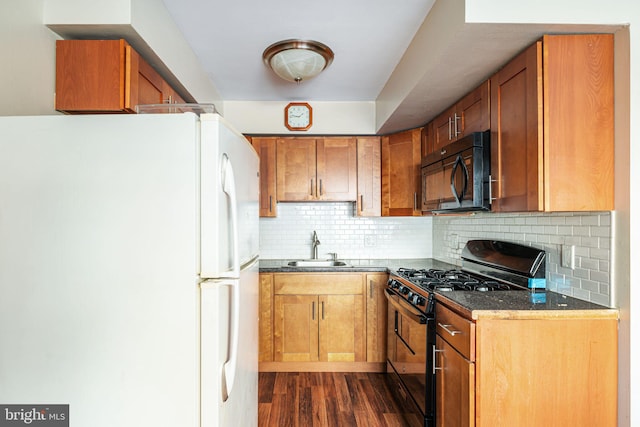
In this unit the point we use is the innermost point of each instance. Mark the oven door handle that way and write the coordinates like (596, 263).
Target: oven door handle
(416, 317)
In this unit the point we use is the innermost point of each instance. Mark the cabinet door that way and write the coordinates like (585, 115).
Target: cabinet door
(144, 84)
(474, 111)
(336, 169)
(266, 148)
(265, 318)
(578, 122)
(369, 178)
(295, 328)
(296, 169)
(516, 133)
(401, 173)
(376, 318)
(90, 75)
(444, 128)
(342, 326)
(428, 139)
(455, 387)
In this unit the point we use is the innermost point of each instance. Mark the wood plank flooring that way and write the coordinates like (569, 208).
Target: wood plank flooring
(327, 399)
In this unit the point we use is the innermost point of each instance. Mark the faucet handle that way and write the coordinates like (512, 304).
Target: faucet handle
(334, 256)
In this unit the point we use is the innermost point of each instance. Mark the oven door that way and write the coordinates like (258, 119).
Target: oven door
(408, 359)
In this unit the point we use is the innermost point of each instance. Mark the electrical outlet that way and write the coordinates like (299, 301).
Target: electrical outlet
(568, 256)
(370, 241)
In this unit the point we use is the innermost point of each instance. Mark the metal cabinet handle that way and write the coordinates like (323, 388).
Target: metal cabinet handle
(435, 368)
(313, 310)
(322, 310)
(311, 188)
(371, 289)
(270, 203)
(321, 187)
(361, 203)
(449, 331)
(491, 181)
(456, 117)
(449, 128)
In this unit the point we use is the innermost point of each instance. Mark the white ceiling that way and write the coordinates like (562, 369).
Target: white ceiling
(379, 46)
(368, 38)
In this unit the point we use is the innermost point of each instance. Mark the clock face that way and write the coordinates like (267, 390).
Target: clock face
(298, 116)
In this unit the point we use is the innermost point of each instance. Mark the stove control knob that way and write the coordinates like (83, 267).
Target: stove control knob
(394, 284)
(410, 296)
(418, 300)
(404, 290)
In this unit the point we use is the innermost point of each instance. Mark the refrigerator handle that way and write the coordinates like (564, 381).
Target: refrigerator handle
(229, 367)
(229, 187)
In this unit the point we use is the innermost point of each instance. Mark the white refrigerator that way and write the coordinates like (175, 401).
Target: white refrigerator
(128, 269)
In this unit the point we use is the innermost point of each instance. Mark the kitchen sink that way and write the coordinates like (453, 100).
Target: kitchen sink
(317, 263)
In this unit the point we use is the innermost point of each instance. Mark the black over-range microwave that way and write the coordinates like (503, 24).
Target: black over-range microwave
(457, 178)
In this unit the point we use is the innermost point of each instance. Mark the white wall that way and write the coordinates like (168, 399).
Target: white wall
(334, 118)
(27, 73)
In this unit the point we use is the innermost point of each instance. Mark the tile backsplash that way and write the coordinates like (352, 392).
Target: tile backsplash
(442, 237)
(589, 232)
(289, 235)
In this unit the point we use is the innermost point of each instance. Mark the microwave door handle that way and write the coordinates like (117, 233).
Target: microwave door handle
(465, 179)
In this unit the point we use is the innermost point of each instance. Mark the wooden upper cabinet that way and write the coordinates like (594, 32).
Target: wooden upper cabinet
(94, 76)
(369, 177)
(296, 169)
(401, 157)
(336, 169)
(428, 139)
(470, 114)
(316, 169)
(266, 149)
(552, 127)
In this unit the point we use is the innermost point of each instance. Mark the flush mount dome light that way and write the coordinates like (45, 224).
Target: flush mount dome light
(297, 60)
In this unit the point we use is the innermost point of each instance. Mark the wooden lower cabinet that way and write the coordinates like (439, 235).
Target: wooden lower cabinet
(526, 369)
(323, 322)
(455, 387)
(265, 318)
(376, 283)
(296, 328)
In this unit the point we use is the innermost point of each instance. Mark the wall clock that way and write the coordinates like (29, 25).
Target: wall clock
(298, 116)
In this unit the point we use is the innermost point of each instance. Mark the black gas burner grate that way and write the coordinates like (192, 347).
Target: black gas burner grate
(450, 280)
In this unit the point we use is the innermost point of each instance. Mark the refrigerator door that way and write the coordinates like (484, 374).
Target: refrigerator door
(229, 199)
(229, 350)
(98, 247)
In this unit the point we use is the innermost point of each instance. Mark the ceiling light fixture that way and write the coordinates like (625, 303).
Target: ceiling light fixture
(297, 60)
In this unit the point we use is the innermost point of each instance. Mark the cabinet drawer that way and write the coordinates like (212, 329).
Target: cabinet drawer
(457, 331)
(318, 284)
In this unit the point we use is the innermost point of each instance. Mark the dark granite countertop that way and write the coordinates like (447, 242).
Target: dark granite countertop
(521, 304)
(356, 265)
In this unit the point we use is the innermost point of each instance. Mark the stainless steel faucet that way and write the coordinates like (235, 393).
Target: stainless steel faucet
(315, 244)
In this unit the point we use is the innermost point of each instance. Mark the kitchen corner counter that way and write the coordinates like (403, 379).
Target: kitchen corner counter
(356, 265)
(522, 305)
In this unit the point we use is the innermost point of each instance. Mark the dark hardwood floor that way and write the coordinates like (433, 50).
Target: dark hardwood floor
(326, 399)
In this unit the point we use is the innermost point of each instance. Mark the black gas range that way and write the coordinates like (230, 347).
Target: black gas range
(487, 266)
